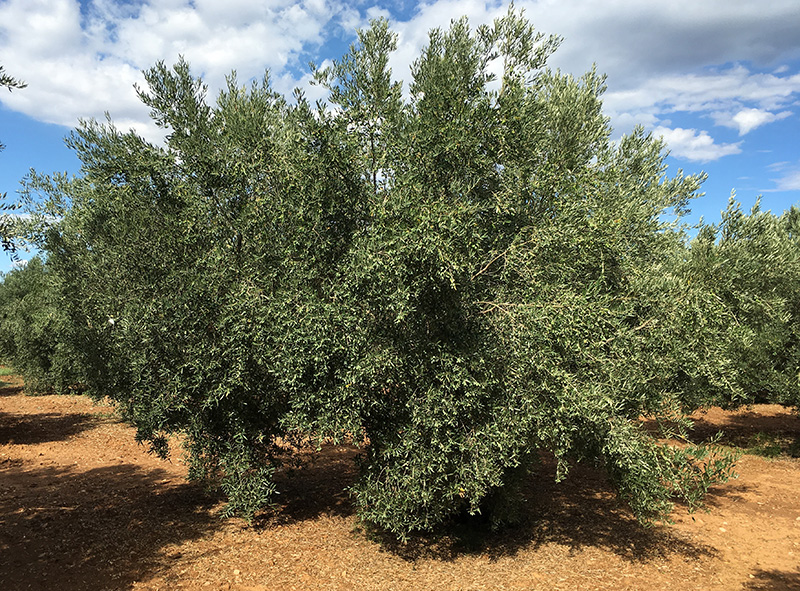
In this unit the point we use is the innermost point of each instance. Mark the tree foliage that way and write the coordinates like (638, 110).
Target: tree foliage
(35, 335)
(10, 82)
(750, 264)
(458, 282)
(6, 224)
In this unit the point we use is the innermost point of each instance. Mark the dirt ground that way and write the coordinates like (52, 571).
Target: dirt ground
(83, 507)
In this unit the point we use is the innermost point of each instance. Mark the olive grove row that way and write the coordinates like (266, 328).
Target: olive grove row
(458, 279)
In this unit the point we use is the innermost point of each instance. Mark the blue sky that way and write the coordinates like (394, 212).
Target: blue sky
(718, 79)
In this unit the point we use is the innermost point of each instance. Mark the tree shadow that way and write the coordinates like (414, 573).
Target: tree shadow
(108, 527)
(766, 430)
(29, 429)
(581, 511)
(104, 528)
(770, 434)
(318, 486)
(747, 421)
(733, 492)
(10, 388)
(773, 580)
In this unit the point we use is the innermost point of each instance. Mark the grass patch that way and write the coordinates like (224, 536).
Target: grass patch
(7, 371)
(772, 445)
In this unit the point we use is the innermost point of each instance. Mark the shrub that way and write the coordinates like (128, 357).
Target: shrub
(459, 282)
(34, 332)
(750, 263)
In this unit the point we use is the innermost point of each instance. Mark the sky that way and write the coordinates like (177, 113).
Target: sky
(719, 80)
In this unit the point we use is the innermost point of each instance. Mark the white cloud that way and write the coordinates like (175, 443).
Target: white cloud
(350, 19)
(41, 28)
(750, 119)
(79, 65)
(733, 97)
(661, 58)
(778, 166)
(374, 12)
(790, 181)
(709, 90)
(695, 145)
(722, 94)
(746, 120)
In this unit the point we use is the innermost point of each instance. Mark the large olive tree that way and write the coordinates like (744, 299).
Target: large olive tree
(459, 281)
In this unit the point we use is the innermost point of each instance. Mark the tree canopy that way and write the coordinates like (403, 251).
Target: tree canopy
(459, 280)
(6, 230)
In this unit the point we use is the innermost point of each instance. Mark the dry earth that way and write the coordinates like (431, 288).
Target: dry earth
(83, 507)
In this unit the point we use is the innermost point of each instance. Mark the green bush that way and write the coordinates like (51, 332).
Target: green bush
(750, 263)
(459, 282)
(34, 332)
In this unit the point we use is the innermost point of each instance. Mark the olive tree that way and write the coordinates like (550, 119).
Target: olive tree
(459, 281)
(35, 334)
(750, 264)
(507, 297)
(6, 225)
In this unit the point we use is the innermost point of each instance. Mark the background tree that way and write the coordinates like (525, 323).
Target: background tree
(6, 230)
(750, 263)
(34, 332)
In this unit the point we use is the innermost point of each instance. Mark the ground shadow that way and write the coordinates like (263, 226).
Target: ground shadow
(718, 497)
(29, 429)
(773, 580)
(103, 528)
(108, 527)
(582, 511)
(10, 388)
(579, 512)
(771, 435)
(318, 486)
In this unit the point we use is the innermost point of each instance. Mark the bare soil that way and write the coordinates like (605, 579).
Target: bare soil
(84, 507)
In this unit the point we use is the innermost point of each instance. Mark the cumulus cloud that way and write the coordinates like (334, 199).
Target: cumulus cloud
(735, 97)
(747, 120)
(789, 181)
(694, 145)
(711, 90)
(81, 58)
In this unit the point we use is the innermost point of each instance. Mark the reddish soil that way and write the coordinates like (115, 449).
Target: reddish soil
(83, 507)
